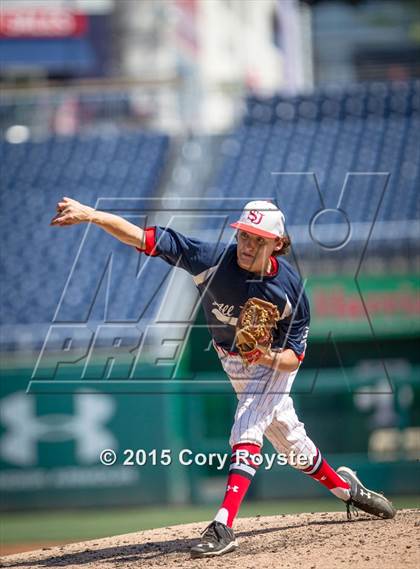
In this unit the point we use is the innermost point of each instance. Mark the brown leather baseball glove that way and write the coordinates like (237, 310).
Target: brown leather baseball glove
(254, 330)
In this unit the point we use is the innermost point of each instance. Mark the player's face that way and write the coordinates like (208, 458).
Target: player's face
(253, 251)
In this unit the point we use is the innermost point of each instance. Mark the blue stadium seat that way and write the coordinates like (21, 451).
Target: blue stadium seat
(368, 130)
(37, 259)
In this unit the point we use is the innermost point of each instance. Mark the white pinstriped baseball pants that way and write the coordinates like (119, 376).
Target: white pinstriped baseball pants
(265, 408)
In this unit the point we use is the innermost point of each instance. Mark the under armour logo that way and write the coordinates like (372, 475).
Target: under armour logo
(233, 488)
(255, 216)
(86, 425)
(367, 494)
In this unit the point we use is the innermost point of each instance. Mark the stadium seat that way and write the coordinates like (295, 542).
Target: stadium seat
(369, 131)
(38, 259)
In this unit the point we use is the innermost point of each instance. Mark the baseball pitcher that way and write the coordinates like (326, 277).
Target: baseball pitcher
(258, 316)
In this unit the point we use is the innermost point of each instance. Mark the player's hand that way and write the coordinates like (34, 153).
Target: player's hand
(280, 360)
(71, 212)
(266, 358)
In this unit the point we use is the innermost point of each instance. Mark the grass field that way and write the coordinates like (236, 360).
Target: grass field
(66, 526)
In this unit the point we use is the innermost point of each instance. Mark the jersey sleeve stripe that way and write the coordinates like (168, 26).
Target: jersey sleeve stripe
(300, 357)
(150, 242)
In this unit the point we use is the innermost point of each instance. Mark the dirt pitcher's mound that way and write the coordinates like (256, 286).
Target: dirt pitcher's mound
(307, 541)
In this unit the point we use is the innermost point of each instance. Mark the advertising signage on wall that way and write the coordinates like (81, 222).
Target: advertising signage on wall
(383, 305)
(54, 39)
(42, 23)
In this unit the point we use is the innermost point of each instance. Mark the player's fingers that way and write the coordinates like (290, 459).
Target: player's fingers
(64, 210)
(69, 201)
(62, 204)
(57, 215)
(61, 219)
(55, 220)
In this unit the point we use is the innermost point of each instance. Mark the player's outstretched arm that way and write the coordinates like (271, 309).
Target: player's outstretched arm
(72, 212)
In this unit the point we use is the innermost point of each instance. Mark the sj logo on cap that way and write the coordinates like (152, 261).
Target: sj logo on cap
(255, 216)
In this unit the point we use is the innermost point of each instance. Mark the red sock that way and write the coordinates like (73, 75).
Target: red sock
(241, 472)
(323, 473)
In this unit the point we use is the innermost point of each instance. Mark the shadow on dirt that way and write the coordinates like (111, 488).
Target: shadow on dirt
(151, 550)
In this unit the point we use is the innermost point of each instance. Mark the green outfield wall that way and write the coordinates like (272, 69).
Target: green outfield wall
(51, 443)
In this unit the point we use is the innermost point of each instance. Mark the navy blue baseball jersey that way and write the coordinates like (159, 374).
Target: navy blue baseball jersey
(225, 287)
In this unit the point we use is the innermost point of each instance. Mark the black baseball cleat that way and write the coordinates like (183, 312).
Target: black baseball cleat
(217, 539)
(364, 499)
